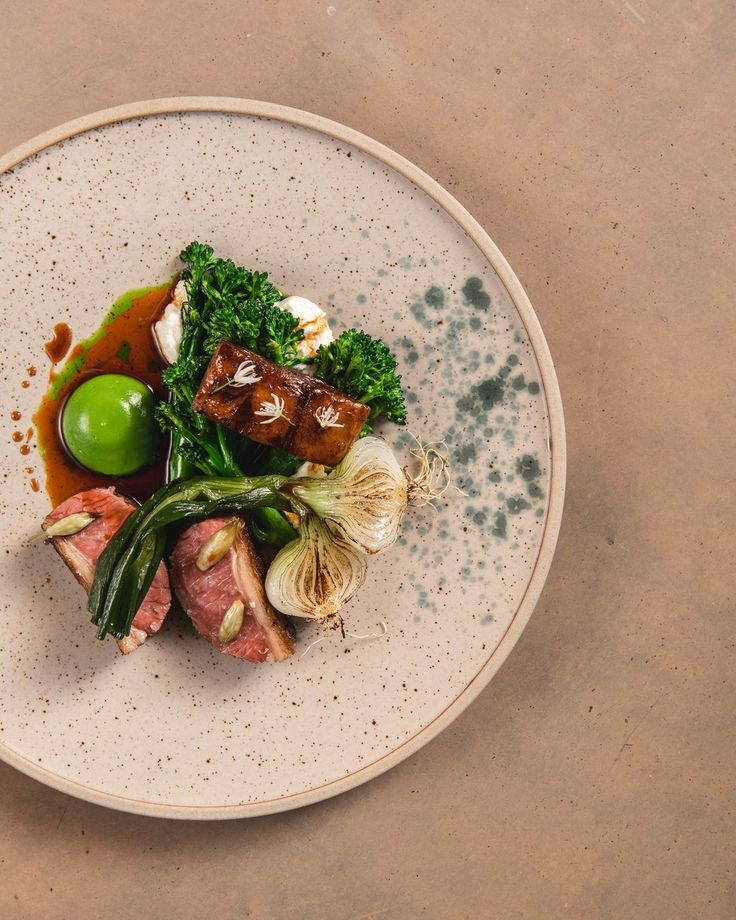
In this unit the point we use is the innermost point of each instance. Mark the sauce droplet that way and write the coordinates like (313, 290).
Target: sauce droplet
(31, 371)
(25, 450)
(25, 384)
(29, 469)
(15, 415)
(17, 437)
(29, 435)
(34, 485)
(57, 348)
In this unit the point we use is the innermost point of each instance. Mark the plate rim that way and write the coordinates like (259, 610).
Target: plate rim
(557, 445)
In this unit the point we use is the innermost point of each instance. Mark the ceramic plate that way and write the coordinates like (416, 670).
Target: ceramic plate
(103, 205)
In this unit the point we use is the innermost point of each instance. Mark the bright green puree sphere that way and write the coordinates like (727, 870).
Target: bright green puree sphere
(108, 425)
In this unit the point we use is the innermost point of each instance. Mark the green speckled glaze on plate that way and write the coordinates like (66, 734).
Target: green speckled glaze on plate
(104, 205)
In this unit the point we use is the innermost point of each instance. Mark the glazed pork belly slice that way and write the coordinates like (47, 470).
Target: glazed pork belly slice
(278, 407)
(81, 551)
(206, 596)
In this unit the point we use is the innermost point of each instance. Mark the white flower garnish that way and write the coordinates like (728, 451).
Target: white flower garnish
(273, 410)
(328, 417)
(243, 376)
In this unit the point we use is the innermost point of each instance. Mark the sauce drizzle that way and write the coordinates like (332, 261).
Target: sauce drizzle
(129, 321)
(59, 345)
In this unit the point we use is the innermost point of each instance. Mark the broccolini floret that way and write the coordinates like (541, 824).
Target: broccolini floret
(364, 368)
(224, 301)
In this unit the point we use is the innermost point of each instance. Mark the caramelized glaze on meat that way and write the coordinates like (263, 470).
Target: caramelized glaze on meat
(279, 407)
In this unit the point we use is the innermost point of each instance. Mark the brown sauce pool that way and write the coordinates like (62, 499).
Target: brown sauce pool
(125, 348)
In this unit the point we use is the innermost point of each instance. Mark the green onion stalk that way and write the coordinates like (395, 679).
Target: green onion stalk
(353, 512)
(223, 301)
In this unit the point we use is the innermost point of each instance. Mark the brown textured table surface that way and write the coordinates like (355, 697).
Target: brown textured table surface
(594, 777)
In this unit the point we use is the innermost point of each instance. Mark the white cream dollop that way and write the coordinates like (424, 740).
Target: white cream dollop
(168, 329)
(313, 322)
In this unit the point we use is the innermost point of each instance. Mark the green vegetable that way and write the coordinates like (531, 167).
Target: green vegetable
(354, 511)
(224, 301)
(364, 368)
(108, 425)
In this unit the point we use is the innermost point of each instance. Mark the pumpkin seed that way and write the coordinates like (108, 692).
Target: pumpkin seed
(67, 526)
(231, 622)
(217, 546)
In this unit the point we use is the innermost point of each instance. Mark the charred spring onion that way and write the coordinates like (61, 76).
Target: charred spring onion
(315, 575)
(353, 512)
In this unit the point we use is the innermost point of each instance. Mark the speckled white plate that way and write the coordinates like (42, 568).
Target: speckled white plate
(104, 204)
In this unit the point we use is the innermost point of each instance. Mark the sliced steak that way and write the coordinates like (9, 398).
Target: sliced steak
(81, 550)
(278, 407)
(206, 596)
